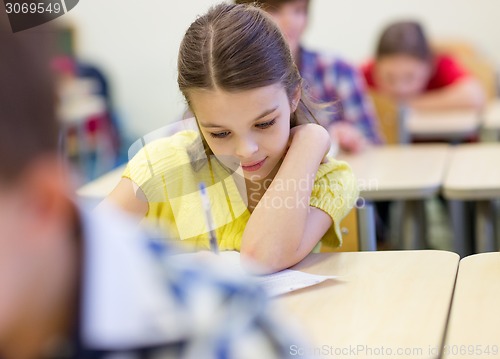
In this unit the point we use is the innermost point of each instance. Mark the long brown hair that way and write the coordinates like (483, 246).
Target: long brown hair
(235, 48)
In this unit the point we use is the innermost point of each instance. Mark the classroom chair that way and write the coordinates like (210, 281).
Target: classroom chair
(474, 61)
(388, 115)
(349, 228)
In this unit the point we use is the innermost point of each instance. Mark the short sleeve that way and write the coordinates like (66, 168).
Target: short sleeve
(160, 164)
(367, 71)
(169, 172)
(335, 192)
(447, 72)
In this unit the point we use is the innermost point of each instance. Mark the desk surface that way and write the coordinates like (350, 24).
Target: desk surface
(399, 171)
(394, 300)
(102, 186)
(475, 313)
(491, 116)
(449, 125)
(473, 172)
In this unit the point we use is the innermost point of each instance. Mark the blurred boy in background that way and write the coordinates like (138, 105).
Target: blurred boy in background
(328, 78)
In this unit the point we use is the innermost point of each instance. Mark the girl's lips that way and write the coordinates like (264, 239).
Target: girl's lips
(253, 166)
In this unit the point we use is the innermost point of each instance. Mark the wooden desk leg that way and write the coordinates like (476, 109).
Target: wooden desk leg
(366, 227)
(494, 135)
(496, 221)
(485, 235)
(459, 227)
(489, 135)
(396, 223)
(414, 225)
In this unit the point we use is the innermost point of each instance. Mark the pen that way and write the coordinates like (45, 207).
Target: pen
(208, 216)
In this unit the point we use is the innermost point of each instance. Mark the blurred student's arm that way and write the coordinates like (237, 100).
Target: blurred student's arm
(464, 94)
(349, 137)
(358, 111)
(129, 198)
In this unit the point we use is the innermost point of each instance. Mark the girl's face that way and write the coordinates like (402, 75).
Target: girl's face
(402, 76)
(250, 128)
(291, 18)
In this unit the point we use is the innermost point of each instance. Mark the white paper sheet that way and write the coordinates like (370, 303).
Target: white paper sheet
(289, 280)
(278, 283)
(274, 284)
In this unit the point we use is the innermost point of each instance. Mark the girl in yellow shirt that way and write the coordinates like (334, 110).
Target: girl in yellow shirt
(274, 192)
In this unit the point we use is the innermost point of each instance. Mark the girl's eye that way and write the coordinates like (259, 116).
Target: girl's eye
(220, 134)
(266, 124)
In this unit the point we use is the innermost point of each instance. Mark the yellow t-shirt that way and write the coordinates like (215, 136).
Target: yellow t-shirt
(169, 170)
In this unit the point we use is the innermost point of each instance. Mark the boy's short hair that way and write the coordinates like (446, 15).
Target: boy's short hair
(404, 38)
(28, 126)
(266, 4)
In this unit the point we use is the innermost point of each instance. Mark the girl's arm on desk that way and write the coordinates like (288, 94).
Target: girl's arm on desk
(280, 237)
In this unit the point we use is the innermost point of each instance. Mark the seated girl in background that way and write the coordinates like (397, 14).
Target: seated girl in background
(273, 191)
(408, 70)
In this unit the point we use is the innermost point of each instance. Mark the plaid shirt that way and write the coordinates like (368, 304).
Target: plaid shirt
(140, 301)
(329, 78)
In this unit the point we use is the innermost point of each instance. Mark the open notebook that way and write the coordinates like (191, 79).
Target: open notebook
(274, 284)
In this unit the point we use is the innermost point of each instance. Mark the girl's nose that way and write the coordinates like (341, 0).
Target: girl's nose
(246, 148)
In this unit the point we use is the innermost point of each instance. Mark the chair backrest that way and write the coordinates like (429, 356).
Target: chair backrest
(473, 61)
(388, 116)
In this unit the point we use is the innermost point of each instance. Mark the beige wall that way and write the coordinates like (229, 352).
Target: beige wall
(352, 26)
(136, 41)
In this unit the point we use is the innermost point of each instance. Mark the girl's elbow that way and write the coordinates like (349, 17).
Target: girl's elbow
(479, 100)
(476, 98)
(476, 95)
(264, 261)
(255, 262)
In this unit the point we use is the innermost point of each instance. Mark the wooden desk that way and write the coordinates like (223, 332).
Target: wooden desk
(473, 175)
(475, 312)
(411, 173)
(94, 192)
(383, 299)
(453, 126)
(473, 172)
